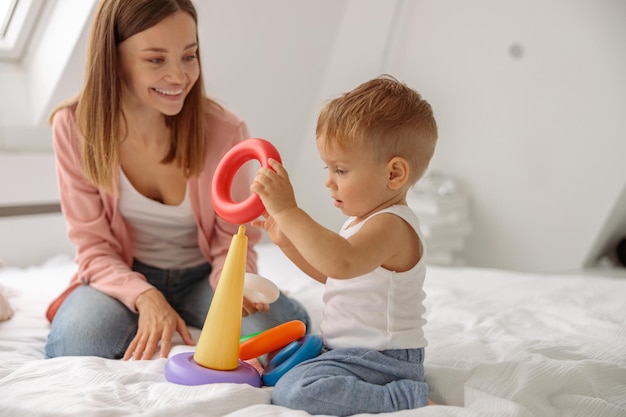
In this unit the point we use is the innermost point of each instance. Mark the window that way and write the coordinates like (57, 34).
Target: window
(17, 21)
(6, 11)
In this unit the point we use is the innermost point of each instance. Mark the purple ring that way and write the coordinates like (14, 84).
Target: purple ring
(184, 370)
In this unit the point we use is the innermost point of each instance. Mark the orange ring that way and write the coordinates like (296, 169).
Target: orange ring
(272, 339)
(252, 207)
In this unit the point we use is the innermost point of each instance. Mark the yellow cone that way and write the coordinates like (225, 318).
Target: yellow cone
(218, 346)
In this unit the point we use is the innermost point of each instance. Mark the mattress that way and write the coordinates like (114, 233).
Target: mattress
(501, 343)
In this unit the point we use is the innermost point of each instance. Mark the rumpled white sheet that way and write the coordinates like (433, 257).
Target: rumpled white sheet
(500, 344)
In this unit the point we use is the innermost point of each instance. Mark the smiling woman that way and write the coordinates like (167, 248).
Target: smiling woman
(160, 65)
(135, 156)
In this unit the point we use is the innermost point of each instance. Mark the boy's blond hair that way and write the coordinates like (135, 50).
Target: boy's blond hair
(385, 115)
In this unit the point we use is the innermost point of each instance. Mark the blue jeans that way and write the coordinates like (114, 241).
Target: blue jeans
(90, 323)
(343, 382)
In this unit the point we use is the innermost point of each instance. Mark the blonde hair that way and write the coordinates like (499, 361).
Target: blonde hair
(385, 115)
(98, 107)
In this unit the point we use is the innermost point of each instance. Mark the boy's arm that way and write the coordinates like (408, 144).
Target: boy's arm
(332, 254)
(279, 239)
(329, 253)
(292, 253)
(385, 240)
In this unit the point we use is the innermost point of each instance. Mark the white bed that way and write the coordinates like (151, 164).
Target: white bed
(500, 344)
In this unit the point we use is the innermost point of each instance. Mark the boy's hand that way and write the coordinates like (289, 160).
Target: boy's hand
(272, 230)
(274, 188)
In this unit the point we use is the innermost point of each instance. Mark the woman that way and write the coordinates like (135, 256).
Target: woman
(135, 154)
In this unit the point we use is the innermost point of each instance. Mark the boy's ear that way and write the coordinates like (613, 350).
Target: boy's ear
(398, 172)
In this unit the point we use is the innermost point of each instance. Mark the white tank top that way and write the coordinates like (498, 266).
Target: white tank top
(163, 236)
(380, 310)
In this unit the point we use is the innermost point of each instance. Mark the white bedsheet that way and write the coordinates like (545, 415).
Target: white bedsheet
(500, 344)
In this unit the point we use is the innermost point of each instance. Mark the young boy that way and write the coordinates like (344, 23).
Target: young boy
(376, 141)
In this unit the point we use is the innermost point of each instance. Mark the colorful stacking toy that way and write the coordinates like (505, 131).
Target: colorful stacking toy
(221, 353)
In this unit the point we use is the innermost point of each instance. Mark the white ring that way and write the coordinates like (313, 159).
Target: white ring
(259, 289)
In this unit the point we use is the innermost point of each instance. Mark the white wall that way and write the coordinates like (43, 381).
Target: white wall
(26, 179)
(265, 60)
(538, 141)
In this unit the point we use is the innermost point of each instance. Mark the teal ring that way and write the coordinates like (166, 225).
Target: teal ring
(305, 348)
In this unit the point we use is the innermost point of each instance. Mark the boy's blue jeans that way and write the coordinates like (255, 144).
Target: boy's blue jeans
(90, 323)
(343, 382)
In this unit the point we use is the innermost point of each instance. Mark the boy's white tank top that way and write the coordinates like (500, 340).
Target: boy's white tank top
(380, 310)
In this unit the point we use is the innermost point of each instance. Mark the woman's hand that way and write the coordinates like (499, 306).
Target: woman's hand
(250, 308)
(158, 322)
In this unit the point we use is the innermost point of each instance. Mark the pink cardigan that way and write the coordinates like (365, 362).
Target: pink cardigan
(102, 238)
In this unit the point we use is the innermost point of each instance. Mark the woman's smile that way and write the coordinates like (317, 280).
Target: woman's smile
(169, 92)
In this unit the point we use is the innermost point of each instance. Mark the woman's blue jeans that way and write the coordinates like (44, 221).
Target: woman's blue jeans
(343, 382)
(90, 323)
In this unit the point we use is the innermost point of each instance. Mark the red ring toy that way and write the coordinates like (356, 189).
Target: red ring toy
(252, 207)
(272, 339)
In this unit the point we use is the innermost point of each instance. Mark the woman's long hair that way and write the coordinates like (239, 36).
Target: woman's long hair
(98, 107)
